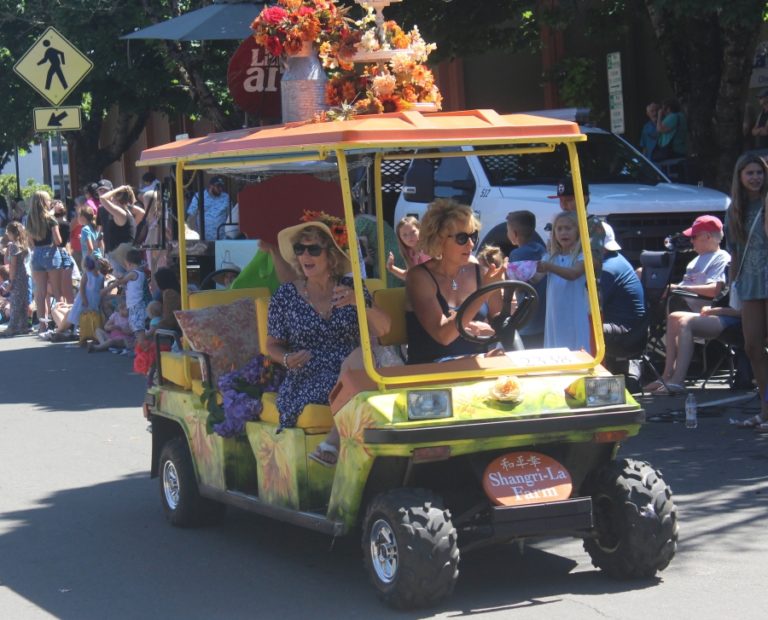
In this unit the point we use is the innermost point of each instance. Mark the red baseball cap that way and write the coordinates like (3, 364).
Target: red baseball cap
(702, 224)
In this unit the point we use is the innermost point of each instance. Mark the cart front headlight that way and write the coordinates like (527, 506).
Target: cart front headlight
(429, 404)
(596, 392)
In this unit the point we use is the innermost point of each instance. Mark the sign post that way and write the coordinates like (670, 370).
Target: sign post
(615, 94)
(54, 68)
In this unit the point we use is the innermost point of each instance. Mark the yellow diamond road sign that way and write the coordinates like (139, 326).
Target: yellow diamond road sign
(57, 119)
(53, 66)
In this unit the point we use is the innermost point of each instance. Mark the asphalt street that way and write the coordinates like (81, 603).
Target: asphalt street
(82, 534)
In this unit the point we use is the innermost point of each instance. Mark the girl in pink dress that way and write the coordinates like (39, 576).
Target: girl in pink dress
(407, 231)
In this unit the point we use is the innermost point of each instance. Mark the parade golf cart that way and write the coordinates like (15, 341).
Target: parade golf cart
(435, 459)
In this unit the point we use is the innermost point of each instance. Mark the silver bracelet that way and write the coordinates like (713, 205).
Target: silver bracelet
(285, 359)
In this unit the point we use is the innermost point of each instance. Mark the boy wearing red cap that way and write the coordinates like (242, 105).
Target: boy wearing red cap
(705, 274)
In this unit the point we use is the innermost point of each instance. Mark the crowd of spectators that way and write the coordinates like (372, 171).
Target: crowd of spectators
(90, 274)
(101, 261)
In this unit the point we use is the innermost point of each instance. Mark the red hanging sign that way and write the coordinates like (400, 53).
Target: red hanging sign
(253, 78)
(521, 478)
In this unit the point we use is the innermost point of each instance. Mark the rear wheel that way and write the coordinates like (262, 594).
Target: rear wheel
(182, 503)
(635, 520)
(410, 548)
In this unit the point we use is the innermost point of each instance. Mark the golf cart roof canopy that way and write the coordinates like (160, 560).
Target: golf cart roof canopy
(401, 130)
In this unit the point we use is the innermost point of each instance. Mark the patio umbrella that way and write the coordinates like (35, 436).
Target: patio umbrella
(217, 21)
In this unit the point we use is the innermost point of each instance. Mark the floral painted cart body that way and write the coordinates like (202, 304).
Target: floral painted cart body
(433, 458)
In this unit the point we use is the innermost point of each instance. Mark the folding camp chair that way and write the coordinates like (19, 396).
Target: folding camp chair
(656, 278)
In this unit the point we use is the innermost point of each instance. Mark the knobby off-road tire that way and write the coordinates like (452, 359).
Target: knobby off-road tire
(410, 548)
(635, 519)
(182, 504)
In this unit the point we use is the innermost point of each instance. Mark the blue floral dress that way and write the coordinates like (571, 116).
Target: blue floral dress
(292, 320)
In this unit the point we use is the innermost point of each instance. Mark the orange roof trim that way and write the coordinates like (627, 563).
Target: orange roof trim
(395, 128)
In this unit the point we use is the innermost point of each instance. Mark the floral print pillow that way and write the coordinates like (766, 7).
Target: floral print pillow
(227, 333)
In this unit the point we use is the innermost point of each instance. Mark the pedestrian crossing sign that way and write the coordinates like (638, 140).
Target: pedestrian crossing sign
(53, 66)
(57, 119)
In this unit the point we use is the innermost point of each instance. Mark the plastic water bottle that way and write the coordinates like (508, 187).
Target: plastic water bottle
(691, 414)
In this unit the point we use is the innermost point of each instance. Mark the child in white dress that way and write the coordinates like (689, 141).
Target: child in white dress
(566, 323)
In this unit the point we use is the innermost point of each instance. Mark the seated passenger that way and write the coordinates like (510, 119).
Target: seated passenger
(437, 288)
(705, 274)
(312, 323)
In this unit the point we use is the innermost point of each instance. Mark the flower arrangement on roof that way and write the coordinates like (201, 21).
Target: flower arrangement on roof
(391, 74)
(284, 27)
(335, 224)
(398, 83)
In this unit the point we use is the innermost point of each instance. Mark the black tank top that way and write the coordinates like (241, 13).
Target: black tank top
(422, 348)
(120, 234)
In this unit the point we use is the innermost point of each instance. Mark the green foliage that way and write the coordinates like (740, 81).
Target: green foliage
(8, 187)
(576, 80)
(133, 79)
(461, 27)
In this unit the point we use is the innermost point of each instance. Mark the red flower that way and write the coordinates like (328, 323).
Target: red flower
(273, 15)
(274, 47)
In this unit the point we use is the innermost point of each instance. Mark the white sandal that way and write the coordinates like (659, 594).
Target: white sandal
(325, 448)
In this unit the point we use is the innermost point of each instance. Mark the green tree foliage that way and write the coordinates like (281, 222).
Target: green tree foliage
(706, 45)
(127, 82)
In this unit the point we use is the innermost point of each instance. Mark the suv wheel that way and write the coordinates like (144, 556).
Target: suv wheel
(635, 520)
(182, 503)
(410, 548)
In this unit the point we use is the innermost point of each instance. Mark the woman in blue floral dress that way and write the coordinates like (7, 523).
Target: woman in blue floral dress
(312, 322)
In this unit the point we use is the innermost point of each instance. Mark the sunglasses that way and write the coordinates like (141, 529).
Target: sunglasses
(314, 249)
(462, 238)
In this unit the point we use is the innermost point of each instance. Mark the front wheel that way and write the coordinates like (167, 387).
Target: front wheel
(410, 548)
(181, 499)
(635, 520)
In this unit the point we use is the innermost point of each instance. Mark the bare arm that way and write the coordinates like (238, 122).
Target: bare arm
(421, 295)
(574, 272)
(710, 290)
(394, 269)
(117, 211)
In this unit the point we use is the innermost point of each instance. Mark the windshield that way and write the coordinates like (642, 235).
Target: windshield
(604, 158)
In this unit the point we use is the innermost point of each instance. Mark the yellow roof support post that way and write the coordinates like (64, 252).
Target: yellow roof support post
(354, 256)
(381, 258)
(586, 246)
(182, 221)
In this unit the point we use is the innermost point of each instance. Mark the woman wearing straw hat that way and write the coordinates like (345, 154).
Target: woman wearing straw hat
(312, 321)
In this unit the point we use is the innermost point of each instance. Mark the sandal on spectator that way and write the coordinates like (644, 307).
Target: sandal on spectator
(754, 422)
(653, 386)
(670, 389)
(325, 454)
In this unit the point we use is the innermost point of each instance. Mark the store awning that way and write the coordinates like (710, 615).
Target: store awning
(218, 21)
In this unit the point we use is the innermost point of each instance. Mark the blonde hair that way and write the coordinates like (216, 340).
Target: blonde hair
(442, 217)
(39, 218)
(337, 261)
(405, 251)
(554, 246)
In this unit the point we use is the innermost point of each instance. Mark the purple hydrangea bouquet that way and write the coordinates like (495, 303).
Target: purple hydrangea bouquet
(241, 391)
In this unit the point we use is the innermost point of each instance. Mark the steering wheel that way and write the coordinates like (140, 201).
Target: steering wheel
(506, 322)
(212, 279)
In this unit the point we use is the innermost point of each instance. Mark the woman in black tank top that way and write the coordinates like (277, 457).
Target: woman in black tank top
(437, 288)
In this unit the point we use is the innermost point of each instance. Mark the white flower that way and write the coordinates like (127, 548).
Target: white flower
(401, 63)
(384, 85)
(369, 42)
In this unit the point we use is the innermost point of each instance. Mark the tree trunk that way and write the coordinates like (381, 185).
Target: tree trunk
(91, 158)
(706, 58)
